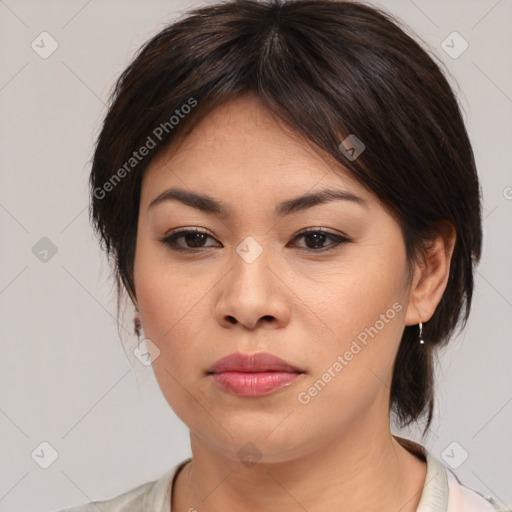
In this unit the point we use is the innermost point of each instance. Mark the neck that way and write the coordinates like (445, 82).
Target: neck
(367, 470)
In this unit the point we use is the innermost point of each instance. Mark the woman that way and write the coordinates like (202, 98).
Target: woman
(289, 195)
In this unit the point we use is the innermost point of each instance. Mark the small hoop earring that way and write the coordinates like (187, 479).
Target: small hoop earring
(422, 341)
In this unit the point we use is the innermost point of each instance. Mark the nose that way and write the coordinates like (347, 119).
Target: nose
(253, 294)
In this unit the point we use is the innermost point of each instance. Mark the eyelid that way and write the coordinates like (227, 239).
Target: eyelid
(169, 239)
(336, 238)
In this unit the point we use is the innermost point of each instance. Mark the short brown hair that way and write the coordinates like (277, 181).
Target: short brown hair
(327, 69)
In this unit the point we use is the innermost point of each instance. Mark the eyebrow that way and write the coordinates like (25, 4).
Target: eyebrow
(211, 206)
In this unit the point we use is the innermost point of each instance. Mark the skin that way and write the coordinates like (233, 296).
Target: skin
(303, 306)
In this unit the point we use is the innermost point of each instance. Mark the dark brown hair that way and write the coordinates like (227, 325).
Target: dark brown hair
(326, 69)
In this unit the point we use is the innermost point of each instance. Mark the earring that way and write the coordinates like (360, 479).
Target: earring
(422, 341)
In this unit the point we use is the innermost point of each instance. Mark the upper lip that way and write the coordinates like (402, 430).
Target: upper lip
(259, 362)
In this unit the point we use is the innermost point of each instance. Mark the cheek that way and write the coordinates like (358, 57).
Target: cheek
(353, 298)
(361, 308)
(161, 296)
(175, 308)
(171, 311)
(166, 290)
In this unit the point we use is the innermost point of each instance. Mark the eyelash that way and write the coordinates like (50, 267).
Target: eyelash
(170, 240)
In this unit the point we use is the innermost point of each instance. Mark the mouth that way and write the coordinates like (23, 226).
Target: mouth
(253, 375)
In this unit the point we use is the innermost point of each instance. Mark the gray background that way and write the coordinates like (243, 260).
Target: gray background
(66, 378)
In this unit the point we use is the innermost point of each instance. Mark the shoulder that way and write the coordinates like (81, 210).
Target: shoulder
(154, 496)
(464, 499)
(443, 491)
(128, 501)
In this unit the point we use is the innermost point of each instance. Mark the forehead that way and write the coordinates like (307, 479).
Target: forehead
(239, 148)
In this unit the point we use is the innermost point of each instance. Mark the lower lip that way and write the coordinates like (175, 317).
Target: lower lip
(253, 384)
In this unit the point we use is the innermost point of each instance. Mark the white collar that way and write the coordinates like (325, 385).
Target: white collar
(442, 491)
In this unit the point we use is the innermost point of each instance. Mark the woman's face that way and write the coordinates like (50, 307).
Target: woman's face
(252, 283)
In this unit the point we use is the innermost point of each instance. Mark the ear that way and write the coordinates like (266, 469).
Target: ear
(431, 273)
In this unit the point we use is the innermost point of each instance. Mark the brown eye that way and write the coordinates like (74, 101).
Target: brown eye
(193, 238)
(315, 239)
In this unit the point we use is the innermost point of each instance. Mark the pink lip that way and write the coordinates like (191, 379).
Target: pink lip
(253, 375)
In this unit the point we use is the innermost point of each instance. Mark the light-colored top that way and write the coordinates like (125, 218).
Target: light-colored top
(442, 491)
